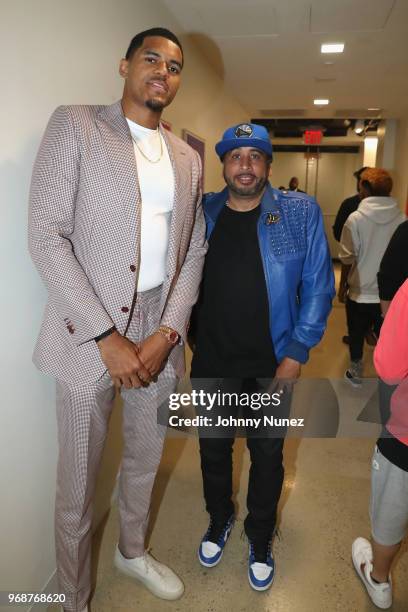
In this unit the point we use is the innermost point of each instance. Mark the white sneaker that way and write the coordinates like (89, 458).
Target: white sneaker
(158, 578)
(362, 554)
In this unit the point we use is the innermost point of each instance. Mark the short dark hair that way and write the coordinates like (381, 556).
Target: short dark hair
(358, 173)
(137, 41)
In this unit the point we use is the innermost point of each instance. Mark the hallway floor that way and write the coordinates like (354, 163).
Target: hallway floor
(324, 506)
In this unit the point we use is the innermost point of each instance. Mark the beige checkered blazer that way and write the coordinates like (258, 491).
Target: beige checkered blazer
(84, 237)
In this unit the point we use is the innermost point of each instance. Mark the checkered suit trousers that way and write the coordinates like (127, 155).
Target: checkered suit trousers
(83, 413)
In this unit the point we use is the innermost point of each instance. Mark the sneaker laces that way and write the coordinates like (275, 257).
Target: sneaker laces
(356, 368)
(260, 545)
(151, 564)
(261, 550)
(215, 532)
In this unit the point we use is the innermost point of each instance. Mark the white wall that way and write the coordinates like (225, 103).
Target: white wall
(400, 173)
(57, 52)
(286, 165)
(335, 181)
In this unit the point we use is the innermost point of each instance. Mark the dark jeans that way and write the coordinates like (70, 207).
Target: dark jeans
(360, 319)
(266, 471)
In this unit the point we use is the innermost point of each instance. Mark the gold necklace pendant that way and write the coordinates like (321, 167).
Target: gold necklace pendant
(152, 161)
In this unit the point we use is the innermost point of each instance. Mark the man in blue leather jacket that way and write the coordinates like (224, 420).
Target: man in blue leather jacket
(265, 297)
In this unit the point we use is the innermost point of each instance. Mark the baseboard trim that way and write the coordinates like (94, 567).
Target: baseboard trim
(50, 587)
(52, 584)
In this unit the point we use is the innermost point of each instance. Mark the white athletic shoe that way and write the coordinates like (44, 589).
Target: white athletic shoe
(362, 554)
(158, 578)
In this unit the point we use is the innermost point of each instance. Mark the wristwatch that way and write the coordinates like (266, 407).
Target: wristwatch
(171, 336)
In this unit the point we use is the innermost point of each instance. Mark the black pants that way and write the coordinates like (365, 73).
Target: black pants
(266, 452)
(360, 319)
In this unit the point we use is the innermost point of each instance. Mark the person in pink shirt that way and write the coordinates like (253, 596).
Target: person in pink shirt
(389, 474)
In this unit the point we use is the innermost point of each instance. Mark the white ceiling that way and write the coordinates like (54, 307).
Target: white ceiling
(268, 52)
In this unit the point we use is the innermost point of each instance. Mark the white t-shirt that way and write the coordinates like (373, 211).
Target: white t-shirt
(156, 183)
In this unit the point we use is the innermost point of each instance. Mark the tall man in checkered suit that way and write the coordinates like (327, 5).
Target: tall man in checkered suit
(117, 233)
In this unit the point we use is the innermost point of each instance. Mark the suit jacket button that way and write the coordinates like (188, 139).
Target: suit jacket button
(125, 309)
(133, 268)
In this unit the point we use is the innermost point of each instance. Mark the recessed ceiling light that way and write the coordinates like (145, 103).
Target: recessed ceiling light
(321, 102)
(332, 48)
(373, 109)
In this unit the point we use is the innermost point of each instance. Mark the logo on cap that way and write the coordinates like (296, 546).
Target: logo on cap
(243, 131)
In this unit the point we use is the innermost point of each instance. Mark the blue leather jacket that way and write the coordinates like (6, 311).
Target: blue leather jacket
(297, 265)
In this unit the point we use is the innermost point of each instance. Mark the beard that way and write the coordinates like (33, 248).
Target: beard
(250, 190)
(155, 105)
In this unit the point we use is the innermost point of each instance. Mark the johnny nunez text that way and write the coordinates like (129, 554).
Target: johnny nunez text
(205, 421)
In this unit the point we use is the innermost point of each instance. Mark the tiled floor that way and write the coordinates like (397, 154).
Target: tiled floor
(324, 506)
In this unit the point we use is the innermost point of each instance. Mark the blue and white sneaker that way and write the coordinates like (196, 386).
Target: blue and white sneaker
(261, 566)
(212, 545)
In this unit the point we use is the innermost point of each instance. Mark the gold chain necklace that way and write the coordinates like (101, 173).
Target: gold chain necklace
(152, 161)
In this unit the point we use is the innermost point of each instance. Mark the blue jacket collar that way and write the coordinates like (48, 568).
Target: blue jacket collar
(214, 202)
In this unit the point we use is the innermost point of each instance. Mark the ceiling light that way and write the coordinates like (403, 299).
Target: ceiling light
(320, 102)
(370, 151)
(373, 109)
(359, 126)
(332, 48)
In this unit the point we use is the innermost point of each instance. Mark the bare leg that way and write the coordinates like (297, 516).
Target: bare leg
(383, 556)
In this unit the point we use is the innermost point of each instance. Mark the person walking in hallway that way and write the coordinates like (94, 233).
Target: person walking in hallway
(393, 270)
(348, 206)
(364, 239)
(121, 255)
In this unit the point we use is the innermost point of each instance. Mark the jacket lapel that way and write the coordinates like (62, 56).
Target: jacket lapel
(119, 149)
(182, 195)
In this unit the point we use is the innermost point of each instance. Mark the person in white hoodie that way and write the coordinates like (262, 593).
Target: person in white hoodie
(363, 241)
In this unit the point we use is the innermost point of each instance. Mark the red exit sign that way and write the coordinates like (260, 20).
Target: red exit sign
(312, 137)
